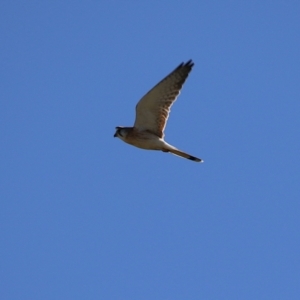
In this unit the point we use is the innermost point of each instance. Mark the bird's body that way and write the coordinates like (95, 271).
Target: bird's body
(142, 139)
(152, 112)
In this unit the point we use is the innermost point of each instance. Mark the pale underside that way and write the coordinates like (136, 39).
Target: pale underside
(153, 110)
(152, 113)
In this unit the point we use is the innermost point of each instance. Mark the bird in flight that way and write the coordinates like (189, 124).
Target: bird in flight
(152, 113)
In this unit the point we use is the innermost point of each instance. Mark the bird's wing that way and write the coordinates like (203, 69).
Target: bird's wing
(152, 111)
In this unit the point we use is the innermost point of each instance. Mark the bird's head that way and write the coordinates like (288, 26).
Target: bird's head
(121, 132)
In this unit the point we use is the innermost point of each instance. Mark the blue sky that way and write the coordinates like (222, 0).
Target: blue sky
(86, 216)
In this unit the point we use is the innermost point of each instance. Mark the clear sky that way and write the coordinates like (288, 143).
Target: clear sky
(85, 216)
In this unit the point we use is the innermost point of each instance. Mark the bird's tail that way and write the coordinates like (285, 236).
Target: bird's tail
(185, 155)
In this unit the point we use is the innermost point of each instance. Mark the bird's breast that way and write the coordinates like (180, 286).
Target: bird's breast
(144, 140)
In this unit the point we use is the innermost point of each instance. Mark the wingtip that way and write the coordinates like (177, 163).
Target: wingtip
(188, 64)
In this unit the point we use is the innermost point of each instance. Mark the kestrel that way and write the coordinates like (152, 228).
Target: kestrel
(152, 113)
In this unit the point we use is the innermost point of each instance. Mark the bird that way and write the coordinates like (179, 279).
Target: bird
(152, 112)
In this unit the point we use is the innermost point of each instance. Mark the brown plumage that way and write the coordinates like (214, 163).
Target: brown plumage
(152, 113)
(159, 100)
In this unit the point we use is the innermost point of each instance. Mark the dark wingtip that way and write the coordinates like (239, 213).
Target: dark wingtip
(188, 64)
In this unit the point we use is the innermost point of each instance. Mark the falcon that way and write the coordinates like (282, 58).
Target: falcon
(152, 113)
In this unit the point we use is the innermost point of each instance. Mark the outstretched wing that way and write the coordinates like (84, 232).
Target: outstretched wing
(152, 111)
